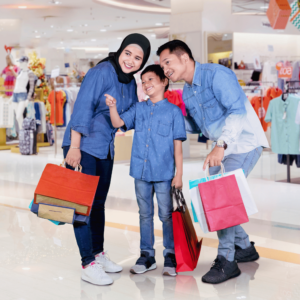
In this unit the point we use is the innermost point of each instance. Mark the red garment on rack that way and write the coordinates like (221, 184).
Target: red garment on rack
(271, 94)
(60, 100)
(175, 97)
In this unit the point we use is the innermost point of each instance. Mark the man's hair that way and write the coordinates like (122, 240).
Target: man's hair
(156, 69)
(177, 47)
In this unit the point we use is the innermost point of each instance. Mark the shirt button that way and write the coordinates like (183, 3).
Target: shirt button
(151, 113)
(149, 129)
(203, 118)
(195, 92)
(145, 160)
(200, 104)
(147, 145)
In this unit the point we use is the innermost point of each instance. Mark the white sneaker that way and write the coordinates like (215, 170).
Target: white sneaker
(108, 266)
(95, 274)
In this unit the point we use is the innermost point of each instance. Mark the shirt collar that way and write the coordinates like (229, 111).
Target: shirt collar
(149, 102)
(197, 75)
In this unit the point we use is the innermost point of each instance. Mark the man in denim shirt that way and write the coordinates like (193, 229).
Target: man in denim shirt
(217, 106)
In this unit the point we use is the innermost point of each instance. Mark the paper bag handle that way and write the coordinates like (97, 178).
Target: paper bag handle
(207, 175)
(77, 169)
(178, 195)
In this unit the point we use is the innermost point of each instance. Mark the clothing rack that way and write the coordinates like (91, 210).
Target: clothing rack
(59, 85)
(296, 180)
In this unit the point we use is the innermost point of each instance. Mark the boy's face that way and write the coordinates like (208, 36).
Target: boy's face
(153, 85)
(174, 66)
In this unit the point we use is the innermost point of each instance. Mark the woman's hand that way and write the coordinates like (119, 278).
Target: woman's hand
(73, 157)
(110, 101)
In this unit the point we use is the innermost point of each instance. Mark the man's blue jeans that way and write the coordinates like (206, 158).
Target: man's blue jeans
(144, 193)
(236, 235)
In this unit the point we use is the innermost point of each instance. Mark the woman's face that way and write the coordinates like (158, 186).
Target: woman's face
(131, 59)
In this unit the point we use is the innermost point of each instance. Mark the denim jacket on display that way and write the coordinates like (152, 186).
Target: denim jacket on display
(218, 107)
(91, 115)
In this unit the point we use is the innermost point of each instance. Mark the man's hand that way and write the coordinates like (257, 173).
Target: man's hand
(177, 182)
(110, 101)
(214, 158)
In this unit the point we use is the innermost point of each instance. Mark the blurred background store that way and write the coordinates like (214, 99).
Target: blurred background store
(258, 39)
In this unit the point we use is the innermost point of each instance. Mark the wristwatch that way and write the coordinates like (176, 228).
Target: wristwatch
(221, 144)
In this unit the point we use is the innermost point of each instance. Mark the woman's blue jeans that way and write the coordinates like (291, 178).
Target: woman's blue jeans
(144, 193)
(90, 237)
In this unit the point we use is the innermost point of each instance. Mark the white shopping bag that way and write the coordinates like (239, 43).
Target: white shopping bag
(247, 197)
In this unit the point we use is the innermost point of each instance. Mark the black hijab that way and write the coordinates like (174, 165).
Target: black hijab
(113, 57)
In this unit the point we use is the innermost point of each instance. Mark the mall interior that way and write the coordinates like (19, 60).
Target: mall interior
(259, 40)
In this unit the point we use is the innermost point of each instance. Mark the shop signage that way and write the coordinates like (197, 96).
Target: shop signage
(278, 13)
(285, 72)
(295, 14)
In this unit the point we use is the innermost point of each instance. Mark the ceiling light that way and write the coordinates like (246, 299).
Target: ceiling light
(69, 30)
(26, 269)
(150, 30)
(51, 26)
(91, 49)
(85, 25)
(61, 42)
(54, 2)
(264, 7)
(119, 38)
(22, 7)
(153, 35)
(159, 24)
(93, 40)
(103, 30)
(121, 4)
(38, 36)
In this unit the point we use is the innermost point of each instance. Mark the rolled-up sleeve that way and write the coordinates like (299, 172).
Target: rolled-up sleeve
(129, 118)
(92, 88)
(179, 132)
(229, 93)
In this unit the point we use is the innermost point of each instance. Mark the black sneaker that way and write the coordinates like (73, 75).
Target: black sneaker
(144, 264)
(170, 265)
(246, 255)
(221, 271)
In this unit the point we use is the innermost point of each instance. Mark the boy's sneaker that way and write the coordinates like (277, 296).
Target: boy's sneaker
(108, 266)
(170, 265)
(246, 255)
(144, 264)
(95, 274)
(221, 271)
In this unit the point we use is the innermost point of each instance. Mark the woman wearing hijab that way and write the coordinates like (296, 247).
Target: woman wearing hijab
(89, 140)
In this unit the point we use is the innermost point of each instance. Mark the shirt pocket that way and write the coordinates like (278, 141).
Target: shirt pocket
(139, 125)
(164, 129)
(213, 110)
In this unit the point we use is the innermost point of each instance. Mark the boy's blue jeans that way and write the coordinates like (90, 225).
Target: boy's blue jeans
(144, 192)
(236, 235)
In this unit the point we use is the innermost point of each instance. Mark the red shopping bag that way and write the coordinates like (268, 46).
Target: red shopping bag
(186, 244)
(63, 187)
(222, 203)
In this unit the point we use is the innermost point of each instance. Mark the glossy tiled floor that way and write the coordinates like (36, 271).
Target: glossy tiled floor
(40, 261)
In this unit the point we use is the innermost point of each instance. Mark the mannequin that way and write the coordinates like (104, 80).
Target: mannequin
(22, 95)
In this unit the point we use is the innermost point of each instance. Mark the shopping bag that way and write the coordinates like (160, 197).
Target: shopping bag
(186, 244)
(63, 187)
(222, 203)
(246, 194)
(78, 219)
(34, 208)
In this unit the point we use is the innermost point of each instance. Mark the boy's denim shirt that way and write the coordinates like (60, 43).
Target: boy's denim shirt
(91, 115)
(215, 103)
(156, 126)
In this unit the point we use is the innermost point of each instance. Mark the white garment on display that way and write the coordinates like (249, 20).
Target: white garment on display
(269, 73)
(6, 114)
(298, 120)
(21, 82)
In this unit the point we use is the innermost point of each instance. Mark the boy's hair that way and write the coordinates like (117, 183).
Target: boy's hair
(156, 69)
(177, 47)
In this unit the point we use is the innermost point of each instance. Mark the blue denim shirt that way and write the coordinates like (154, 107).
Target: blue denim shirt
(214, 95)
(91, 115)
(156, 127)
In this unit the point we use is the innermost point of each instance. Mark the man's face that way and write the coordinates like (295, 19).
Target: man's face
(173, 65)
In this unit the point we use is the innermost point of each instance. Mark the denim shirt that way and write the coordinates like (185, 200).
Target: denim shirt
(156, 127)
(218, 107)
(91, 115)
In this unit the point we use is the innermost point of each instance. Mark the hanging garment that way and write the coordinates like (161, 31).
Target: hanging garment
(6, 113)
(295, 75)
(175, 98)
(282, 159)
(10, 79)
(297, 120)
(269, 73)
(60, 100)
(284, 131)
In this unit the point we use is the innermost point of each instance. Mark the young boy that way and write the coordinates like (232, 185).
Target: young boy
(157, 148)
